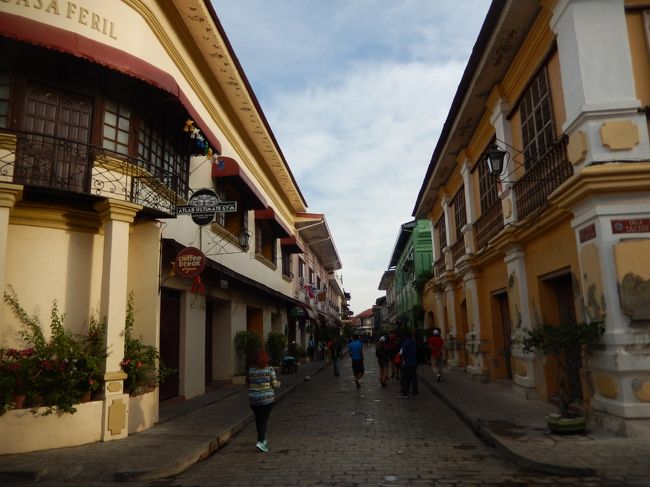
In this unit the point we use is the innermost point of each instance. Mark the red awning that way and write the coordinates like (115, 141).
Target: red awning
(279, 227)
(40, 34)
(292, 245)
(227, 167)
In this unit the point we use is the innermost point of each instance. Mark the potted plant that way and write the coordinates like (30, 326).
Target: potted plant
(276, 344)
(141, 362)
(562, 342)
(247, 343)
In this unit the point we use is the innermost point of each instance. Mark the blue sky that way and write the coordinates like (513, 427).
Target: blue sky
(356, 93)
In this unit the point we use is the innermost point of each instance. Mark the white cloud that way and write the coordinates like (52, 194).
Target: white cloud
(356, 94)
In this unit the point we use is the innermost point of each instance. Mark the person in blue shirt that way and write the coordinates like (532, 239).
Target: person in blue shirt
(409, 379)
(355, 349)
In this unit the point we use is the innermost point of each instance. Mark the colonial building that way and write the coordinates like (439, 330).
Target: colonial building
(561, 234)
(114, 117)
(410, 264)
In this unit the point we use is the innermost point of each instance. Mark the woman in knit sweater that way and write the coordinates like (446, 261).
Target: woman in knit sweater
(262, 381)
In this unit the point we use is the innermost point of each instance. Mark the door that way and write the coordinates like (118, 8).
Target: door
(170, 329)
(563, 288)
(506, 330)
(55, 153)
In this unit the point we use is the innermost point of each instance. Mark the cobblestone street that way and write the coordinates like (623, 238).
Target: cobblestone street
(331, 433)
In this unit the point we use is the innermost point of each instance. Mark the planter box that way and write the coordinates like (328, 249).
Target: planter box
(143, 411)
(23, 431)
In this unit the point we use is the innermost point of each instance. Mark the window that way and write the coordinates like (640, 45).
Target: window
(163, 147)
(311, 276)
(537, 129)
(441, 230)
(460, 217)
(286, 264)
(265, 240)
(301, 268)
(487, 185)
(4, 100)
(117, 124)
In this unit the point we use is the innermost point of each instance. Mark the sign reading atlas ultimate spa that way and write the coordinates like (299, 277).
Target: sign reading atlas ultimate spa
(203, 205)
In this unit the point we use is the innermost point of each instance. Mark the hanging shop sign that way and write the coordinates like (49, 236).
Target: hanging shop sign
(189, 262)
(203, 205)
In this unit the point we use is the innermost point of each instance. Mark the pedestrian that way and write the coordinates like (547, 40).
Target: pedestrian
(262, 382)
(393, 352)
(328, 351)
(355, 349)
(437, 347)
(383, 358)
(409, 372)
(335, 354)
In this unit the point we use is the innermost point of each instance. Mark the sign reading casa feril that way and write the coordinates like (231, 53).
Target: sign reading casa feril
(203, 205)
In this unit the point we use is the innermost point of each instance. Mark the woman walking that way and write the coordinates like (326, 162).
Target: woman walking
(383, 358)
(262, 381)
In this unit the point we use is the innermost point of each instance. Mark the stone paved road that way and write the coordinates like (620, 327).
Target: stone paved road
(329, 433)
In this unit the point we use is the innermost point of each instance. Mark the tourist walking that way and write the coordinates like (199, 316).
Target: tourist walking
(383, 359)
(394, 346)
(437, 347)
(355, 349)
(262, 382)
(409, 372)
(336, 350)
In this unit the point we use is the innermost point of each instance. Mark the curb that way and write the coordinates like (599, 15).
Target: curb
(492, 440)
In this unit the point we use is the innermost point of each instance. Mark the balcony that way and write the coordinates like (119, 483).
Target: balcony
(65, 166)
(440, 266)
(532, 190)
(458, 249)
(489, 224)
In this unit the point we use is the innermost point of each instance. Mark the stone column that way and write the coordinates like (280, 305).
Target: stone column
(454, 358)
(523, 363)
(446, 252)
(9, 195)
(117, 217)
(600, 99)
(473, 338)
(470, 209)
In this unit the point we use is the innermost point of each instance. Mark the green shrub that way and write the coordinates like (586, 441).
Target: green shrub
(276, 344)
(247, 343)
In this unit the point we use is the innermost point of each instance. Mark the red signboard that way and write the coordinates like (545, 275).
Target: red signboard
(587, 233)
(189, 262)
(632, 225)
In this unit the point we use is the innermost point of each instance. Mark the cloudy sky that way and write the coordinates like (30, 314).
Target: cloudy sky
(356, 93)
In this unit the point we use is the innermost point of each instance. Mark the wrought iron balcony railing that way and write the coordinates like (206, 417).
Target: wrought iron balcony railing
(65, 165)
(489, 224)
(532, 190)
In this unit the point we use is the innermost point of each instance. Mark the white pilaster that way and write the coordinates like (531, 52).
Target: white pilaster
(9, 195)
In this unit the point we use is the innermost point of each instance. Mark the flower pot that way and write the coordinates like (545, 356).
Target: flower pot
(566, 426)
(85, 397)
(19, 400)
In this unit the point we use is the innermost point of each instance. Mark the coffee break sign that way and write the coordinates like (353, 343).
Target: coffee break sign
(189, 262)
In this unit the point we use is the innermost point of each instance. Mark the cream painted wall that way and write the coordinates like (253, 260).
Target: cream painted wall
(69, 271)
(223, 354)
(192, 350)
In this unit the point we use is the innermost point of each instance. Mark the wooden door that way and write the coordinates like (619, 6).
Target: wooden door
(55, 153)
(170, 329)
(563, 287)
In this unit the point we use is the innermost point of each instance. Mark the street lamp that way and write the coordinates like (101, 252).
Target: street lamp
(244, 238)
(495, 157)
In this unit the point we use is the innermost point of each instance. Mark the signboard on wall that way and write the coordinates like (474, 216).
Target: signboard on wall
(189, 262)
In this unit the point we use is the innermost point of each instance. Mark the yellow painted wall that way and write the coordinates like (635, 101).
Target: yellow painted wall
(639, 52)
(555, 249)
(493, 278)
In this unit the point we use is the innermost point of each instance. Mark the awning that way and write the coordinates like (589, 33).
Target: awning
(40, 34)
(280, 230)
(228, 168)
(313, 229)
(291, 245)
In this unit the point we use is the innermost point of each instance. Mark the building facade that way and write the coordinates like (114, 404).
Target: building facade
(113, 115)
(561, 234)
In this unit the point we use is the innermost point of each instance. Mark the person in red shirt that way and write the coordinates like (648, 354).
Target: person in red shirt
(437, 348)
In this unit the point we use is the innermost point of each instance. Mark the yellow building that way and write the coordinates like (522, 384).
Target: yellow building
(563, 232)
(112, 115)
